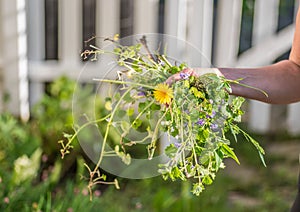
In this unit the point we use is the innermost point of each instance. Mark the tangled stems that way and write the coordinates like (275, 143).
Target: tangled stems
(152, 145)
(106, 133)
(99, 179)
(195, 111)
(66, 147)
(126, 83)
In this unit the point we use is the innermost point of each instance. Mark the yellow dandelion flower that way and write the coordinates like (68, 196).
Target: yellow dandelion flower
(163, 93)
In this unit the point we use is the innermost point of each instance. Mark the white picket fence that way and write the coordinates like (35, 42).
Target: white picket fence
(190, 20)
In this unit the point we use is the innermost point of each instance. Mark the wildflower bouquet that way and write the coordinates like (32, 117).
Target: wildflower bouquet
(195, 113)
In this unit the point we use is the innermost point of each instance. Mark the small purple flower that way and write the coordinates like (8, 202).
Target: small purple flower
(214, 127)
(213, 113)
(200, 122)
(187, 111)
(177, 145)
(184, 75)
(162, 63)
(141, 93)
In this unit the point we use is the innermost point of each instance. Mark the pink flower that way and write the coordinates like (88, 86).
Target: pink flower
(6, 200)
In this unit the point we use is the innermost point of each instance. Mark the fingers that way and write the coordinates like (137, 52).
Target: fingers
(187, 72)
(173, 78)
(184, 74)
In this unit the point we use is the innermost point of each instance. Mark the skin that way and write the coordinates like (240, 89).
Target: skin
(281, 81)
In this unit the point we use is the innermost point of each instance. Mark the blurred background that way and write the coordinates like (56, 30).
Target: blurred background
(40, 46)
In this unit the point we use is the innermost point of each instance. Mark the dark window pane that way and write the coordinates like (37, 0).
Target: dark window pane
(161, 16)
(286, 13)
(246, 25)
(88, 23)
(215, 18)
(51, 29)
(126, 15)
(284, 56)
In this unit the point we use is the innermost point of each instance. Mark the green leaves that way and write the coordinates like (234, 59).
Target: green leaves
(198, 117)
(260, 150)
(197, 188)
(124, 157)
(202, 114)
(228, 152)
(171, 150)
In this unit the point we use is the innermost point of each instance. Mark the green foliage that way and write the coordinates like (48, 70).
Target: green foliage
(195, 111)
(53, 115)
(15, 141)
(273, 190)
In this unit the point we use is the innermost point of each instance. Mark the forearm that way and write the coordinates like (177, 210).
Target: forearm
(281, 81)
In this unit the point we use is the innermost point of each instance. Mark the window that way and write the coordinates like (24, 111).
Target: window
(126, 15)
(286, 13)
(246, 26)
(51, 29)
(88, 23)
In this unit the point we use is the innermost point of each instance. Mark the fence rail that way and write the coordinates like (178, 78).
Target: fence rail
(214, 27)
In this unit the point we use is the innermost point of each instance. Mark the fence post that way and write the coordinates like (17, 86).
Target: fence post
(15, 67)
(200, 30)
(145, 16)
(70, 20)
(175, 18)
(264, 26)
(293, 119)
(36, 45)
(176, 25)
(227, 32)
(108, 17)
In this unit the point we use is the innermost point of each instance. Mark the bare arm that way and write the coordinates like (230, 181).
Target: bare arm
(295, 53)
(281, 81)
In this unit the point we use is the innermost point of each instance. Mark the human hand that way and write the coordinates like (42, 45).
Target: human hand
(187, 72)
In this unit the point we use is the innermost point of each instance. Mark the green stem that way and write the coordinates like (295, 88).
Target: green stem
(247, 86)
(107, 130)
(138, 116)
(142, 112)
(154, 69)
(125, 82)
(139, 60)
(155, 132)
(163, 57)
(81, 128)
(182, 142)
